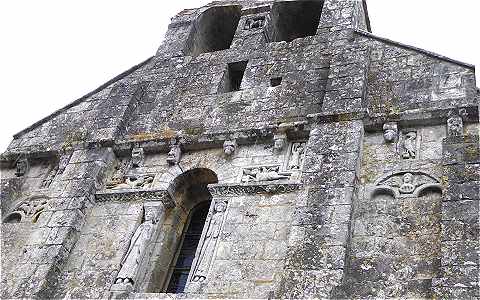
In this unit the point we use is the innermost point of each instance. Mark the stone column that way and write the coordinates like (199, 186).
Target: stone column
(460, 245)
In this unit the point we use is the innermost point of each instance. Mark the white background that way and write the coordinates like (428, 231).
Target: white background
(55, 51)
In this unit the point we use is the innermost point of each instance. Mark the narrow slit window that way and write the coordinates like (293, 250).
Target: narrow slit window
(186, 254)
(233, 76)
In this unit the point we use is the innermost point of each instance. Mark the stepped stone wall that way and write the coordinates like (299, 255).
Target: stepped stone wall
(327, 163)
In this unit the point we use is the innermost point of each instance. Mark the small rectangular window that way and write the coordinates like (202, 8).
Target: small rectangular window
(232, 78)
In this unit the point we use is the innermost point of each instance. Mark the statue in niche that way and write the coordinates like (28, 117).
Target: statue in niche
(296, 156)
(137, 248)
(407, 186)
(132, 182)
(279, 141)
(262, 173)
(21, 167)
(209, 242)
(137, 157)
(409, 145)
(390, 132)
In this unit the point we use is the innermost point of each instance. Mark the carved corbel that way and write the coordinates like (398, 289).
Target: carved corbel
(175, 153)
(279, 141)
(390, 132)
(229, 147)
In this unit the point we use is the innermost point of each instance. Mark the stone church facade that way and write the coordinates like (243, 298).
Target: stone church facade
(268, 150)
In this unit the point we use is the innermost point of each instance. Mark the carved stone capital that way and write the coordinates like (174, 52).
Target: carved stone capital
(136, 195)
(230, 190)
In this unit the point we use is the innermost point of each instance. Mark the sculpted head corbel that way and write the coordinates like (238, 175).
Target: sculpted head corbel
(455, 123)
(229, 147)
(390, 132)
(175, 153)
(137, 157)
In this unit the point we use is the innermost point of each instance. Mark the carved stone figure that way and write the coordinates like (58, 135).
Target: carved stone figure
(31, 208)
(279, 141)
(137, 157)
(262, 173)
(254, 23)
(409, 145)
(296, 156)
(174, 155)
(132, 182)
(209, 242)
(229, 147)
(407, 186)
(390, 132)
(455, 126)
(137, 248)
(21, 167)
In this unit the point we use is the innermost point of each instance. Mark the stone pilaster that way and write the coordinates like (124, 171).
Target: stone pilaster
(59, 226)
(319, 236)
(460, 245)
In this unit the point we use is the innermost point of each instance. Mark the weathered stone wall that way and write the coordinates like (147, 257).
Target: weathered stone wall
(344, 165)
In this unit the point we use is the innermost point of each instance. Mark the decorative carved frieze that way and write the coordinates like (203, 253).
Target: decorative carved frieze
(263, 173)
(131, 182)
(135, 195)
(229, 190)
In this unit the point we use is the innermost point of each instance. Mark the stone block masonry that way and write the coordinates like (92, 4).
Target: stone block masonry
(269, 149)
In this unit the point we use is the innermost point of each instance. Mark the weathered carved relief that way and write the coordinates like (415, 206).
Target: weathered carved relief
(405, 184)
(455, 125)
(132, 182)
(279, 141)
(136, 254)
(174, 155)
(119, 172)
(294, 161)
(390, 132)
(408, 145)
(208, 241)
(137, 157)
(229, 147)
(135, 195)
(28, 210)
(253, 23)
(263, 173)
(21, 167)
(251, 189)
